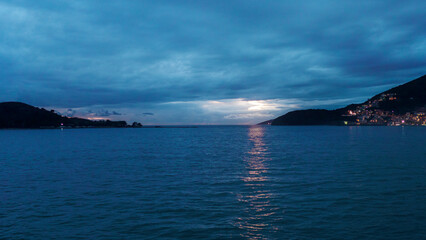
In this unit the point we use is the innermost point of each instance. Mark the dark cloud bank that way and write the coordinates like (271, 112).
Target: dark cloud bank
(175, 58)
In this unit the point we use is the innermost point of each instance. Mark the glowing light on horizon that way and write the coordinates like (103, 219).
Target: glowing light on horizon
(97, 118)
(247, 105)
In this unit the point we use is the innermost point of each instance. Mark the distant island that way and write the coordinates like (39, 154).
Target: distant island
(402, 105)
(21, 115)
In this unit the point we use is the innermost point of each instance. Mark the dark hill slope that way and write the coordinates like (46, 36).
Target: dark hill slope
(410, 96)
(21, 115)
(405, 98)
(313, 117)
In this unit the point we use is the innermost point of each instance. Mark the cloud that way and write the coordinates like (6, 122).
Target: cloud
(106, 113)
(248, 116)
(97, 113)
(69, 113)
(90, 54)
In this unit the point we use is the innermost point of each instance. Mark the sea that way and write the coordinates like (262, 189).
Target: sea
(214, 182)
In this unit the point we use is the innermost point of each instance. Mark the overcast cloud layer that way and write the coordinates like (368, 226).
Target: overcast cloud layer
(206, 62)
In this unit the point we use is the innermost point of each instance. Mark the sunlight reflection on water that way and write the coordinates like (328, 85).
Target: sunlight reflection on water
(256, 197)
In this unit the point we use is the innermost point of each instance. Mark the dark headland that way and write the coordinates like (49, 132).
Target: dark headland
(21, 115)
(402, 105)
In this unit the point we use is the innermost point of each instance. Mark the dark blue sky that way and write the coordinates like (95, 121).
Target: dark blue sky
(205, 62)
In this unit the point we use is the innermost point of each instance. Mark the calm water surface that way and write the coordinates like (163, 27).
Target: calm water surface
(214, 183)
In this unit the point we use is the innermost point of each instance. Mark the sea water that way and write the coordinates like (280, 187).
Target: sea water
(217, 182)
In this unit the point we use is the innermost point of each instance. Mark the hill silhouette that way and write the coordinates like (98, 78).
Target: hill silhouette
(21, 115)
(386, 108)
